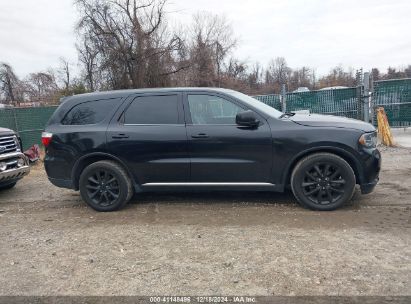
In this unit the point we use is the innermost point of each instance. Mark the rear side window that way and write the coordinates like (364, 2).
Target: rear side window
(89, 113)
(153, 110)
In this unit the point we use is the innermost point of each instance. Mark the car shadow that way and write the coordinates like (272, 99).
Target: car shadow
(215, 197)
(257, 198)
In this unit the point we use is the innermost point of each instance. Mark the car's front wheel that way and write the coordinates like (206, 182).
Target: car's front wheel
(105, 186)
(323, 181)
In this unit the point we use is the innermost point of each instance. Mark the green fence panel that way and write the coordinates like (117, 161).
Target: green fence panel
(28, 122)
(341, 102)
(395, 97)
(272, 100)
(8, 119)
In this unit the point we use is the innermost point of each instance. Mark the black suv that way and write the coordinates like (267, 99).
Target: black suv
(111, 145)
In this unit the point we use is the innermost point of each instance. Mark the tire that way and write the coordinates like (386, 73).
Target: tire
(323, 181)
(7, 186)
(105, 186)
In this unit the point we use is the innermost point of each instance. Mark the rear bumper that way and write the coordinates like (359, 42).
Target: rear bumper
(15, 173)
(62, 183)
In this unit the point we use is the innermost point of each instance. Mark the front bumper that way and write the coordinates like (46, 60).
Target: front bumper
(369, 187)
(371, 171)
(14, 172)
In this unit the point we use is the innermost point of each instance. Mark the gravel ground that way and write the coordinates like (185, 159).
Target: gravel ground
(207, 244)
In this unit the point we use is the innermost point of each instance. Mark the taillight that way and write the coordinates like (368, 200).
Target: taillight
(46, 138)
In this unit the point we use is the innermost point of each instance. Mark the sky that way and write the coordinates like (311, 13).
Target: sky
(317, 33)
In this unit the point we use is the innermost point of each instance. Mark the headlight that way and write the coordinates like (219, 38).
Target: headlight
(20, 162)
(17, 142)
(368, 140)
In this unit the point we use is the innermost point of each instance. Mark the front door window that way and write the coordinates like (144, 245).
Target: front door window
(212, 110)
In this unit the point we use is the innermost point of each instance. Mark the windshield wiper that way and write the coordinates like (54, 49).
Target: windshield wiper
(287, 114)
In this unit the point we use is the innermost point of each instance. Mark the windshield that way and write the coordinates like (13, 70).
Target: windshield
(256, 104)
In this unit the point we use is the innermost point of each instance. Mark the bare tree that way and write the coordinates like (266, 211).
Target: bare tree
(375, 74)
(87, 55)
(10, 85)
(407, 71)
(278, 72)
(42, 87)
(338, 77)
(64, 72)
(302, 77)
(212, 40)
(127, 41)
(254, 79)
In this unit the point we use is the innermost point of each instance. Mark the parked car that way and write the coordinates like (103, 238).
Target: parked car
(13, 163)
(301, 89)
(333, 88)
(111, 145)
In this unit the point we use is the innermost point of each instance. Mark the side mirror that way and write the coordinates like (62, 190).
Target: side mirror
(247, 119)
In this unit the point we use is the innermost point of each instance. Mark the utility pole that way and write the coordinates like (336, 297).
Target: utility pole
(366, 96)
(283, 98)
(360, 93)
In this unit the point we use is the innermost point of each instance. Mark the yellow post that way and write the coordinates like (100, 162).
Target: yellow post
(384, 130)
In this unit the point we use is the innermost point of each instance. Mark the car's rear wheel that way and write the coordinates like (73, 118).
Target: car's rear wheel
(105, 186)
(323, 181)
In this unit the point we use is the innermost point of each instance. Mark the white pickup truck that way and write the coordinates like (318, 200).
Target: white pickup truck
(13, 163)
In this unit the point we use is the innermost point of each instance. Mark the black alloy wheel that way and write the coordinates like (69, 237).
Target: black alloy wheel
(105, 186)
(323, 181)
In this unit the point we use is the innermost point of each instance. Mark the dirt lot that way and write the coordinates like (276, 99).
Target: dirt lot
(207, 244)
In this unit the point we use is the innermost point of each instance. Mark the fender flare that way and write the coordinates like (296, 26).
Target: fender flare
(345, 154)
(104, 155)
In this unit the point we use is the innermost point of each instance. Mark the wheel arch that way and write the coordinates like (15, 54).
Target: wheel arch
(344, 154)
(90, 158)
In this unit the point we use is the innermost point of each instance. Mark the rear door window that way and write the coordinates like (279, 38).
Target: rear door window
(152, 110)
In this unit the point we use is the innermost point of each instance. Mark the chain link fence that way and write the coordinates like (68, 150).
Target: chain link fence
(273, 100)
(395, 97)
(340, 102)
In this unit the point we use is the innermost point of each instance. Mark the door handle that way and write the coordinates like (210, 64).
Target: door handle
(120, 136)
(200, 135)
